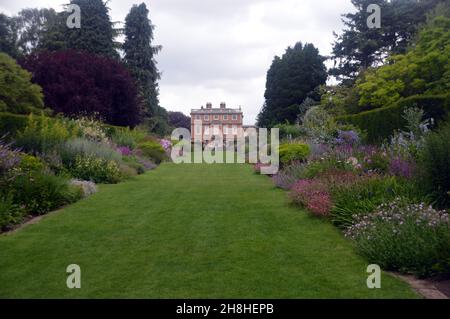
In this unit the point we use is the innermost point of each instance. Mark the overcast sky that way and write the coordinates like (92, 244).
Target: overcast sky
(220, 50)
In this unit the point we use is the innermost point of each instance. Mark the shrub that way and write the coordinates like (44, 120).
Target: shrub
(288, 131)
(43, 134)
(9, 158)
(148, 165)
(434, 165)
(124, 151)
(17, 93)
(288, 175)
(312, 195)
(402, 167)
(86, 148)
(124, 138)
(91, 129)
(366, 193)
(88, 188)
(293, 152)
(407, 237)
(40, 193)
(316, 168)
(153, 150)
(136, 164)
(10, 124)
(347, 138)
(81, 83)
(10, 213)
(96, 169)
(30, 164)
(381, 123)
(127, 171)
(166, 144)
(377, 162)
(319, 125)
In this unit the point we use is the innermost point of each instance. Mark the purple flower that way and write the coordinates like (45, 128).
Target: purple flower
(283, 180)
(166, 144)
(124, 150)
(347, 137)
(9, 158)
(401, 167)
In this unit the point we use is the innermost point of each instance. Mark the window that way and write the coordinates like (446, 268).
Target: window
(206, 130)
(234, 130)
(216, 117)
(206, 117)
(198, 129)
(225, 130)
(225, 117)
(197, 117)
(216, 130)
(235, 117)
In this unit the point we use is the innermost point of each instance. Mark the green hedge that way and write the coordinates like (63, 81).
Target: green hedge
(381, 123)
(10, 124)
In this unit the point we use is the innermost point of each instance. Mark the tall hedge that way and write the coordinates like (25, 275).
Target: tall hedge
(381, 123)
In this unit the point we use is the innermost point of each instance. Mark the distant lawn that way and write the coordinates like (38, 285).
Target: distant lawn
(187, 231)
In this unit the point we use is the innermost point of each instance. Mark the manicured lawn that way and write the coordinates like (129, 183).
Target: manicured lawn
(187, 231)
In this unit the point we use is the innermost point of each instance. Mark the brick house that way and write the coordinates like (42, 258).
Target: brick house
(208, 123)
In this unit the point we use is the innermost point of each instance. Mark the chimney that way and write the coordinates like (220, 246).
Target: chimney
(223, 105)
(209, 105)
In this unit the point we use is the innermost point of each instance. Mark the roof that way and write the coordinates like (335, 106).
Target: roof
(216, 111)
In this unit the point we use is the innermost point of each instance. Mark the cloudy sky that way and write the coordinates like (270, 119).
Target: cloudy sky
(220, 50)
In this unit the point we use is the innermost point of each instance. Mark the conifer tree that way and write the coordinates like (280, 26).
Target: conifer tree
(97, 34)
(140, 57)
(290, 80)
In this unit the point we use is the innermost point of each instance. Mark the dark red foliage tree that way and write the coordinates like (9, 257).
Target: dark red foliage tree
(178, 120)
(79, 83)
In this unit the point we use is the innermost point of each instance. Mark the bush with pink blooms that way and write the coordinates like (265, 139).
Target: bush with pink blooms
(312, 194)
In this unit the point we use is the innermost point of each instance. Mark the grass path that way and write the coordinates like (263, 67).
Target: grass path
(187, 231)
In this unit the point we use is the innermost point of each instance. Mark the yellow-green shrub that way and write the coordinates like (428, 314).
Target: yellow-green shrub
(293, 153)
(153, 150)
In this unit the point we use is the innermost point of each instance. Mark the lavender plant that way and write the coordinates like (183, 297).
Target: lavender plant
(412, 238)
(9, 158)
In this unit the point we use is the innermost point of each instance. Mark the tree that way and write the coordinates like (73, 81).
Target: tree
(17, 93)
(424, 69)
(139, 57)
(96, 35)
(8, 36)
(32, 24)
(178, 120)
(290, 80)
(54, 37)
(80, 83)
(360, 47)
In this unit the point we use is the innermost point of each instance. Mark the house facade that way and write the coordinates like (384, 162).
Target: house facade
(208, 123)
